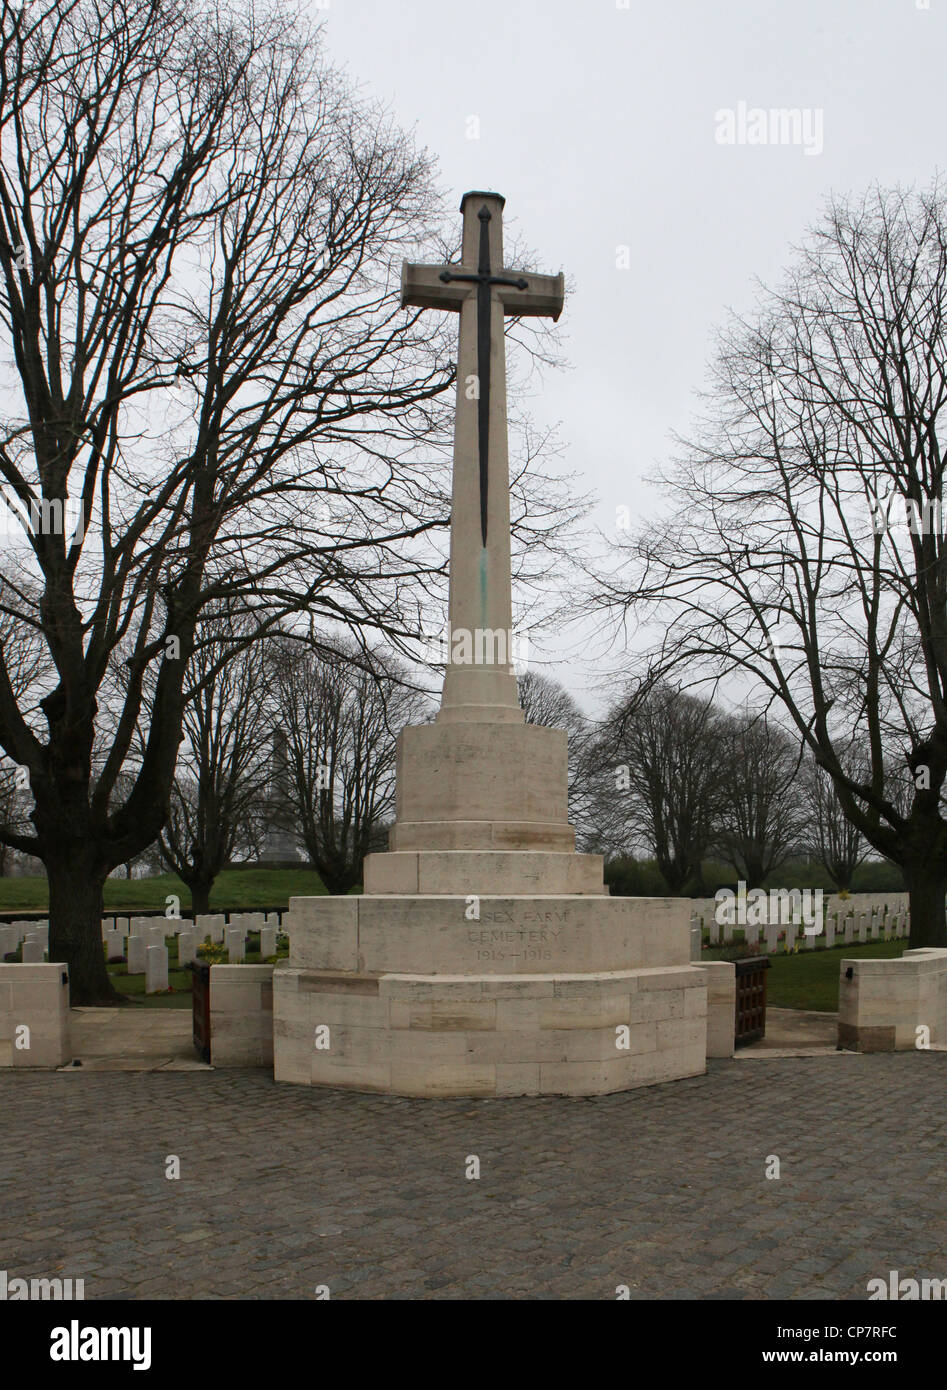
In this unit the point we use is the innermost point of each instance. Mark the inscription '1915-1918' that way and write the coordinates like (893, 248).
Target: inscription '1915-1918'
(533, 943)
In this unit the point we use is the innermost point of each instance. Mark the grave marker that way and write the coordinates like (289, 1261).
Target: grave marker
(156, 969)
(136, 955)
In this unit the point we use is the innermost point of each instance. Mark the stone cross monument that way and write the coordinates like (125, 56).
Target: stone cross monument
(485, 956)
(480, 599)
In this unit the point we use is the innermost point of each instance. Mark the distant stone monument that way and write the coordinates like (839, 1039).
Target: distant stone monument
(279, 845)
(485, 956)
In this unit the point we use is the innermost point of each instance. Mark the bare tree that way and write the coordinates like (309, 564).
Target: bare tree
(12, 813)
(341, 711)
(222, 402)
(546, 701)
(805, 546)
(832, 839)
(222, 768)
(761, 815)
(200, 230)
(658, 764)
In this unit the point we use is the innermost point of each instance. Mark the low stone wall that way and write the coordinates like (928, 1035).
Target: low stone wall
(493, 1035)
(883, 1003)
(721, 1007)
(34, 1015)
(241, 1015)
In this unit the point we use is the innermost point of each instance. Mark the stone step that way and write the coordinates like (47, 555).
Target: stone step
(451, 872)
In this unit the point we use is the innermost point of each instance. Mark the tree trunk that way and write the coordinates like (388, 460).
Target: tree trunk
(927, 887)
(200, 895)
(75, 928)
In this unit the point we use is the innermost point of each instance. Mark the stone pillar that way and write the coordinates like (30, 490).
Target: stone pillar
(721, 1007)
(34, 1014)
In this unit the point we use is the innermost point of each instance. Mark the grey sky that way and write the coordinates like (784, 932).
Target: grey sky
(598, 123)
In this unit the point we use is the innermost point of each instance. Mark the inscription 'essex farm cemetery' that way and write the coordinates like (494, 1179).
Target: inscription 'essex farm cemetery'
(527, 1000)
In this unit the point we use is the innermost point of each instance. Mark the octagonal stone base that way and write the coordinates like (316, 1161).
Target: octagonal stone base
(546, 995)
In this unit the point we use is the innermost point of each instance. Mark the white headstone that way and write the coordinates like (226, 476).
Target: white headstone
(236, 945)
(268, 942)
(156, 934)
(849, 930)
(210, 924)
(771, 932)
(136, 955)
(32, 952)
(114, 946)
(187, 947)
(8, 941)
(41, 933)
(156, 969)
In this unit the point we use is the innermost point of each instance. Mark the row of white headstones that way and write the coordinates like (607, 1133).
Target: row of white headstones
(141, 942)
(862, 927)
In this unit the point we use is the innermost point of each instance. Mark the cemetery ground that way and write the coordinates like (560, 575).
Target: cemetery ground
(667, 1191)
(797, 980)
(286, 1190)
(237, 890)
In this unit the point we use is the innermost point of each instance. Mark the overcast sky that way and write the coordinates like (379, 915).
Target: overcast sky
(599, 123)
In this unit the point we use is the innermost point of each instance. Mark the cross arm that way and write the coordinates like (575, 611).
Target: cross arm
(543, 297)
(422, 287)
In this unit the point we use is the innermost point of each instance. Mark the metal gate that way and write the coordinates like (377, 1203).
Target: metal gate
(200, 1001)
(750, 1020)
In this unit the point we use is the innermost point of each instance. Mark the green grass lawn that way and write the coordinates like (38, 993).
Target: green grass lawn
(809, 979)
(806, 980)
(236, 890)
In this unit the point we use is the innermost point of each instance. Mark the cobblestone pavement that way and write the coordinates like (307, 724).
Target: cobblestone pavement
(283, 1188)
